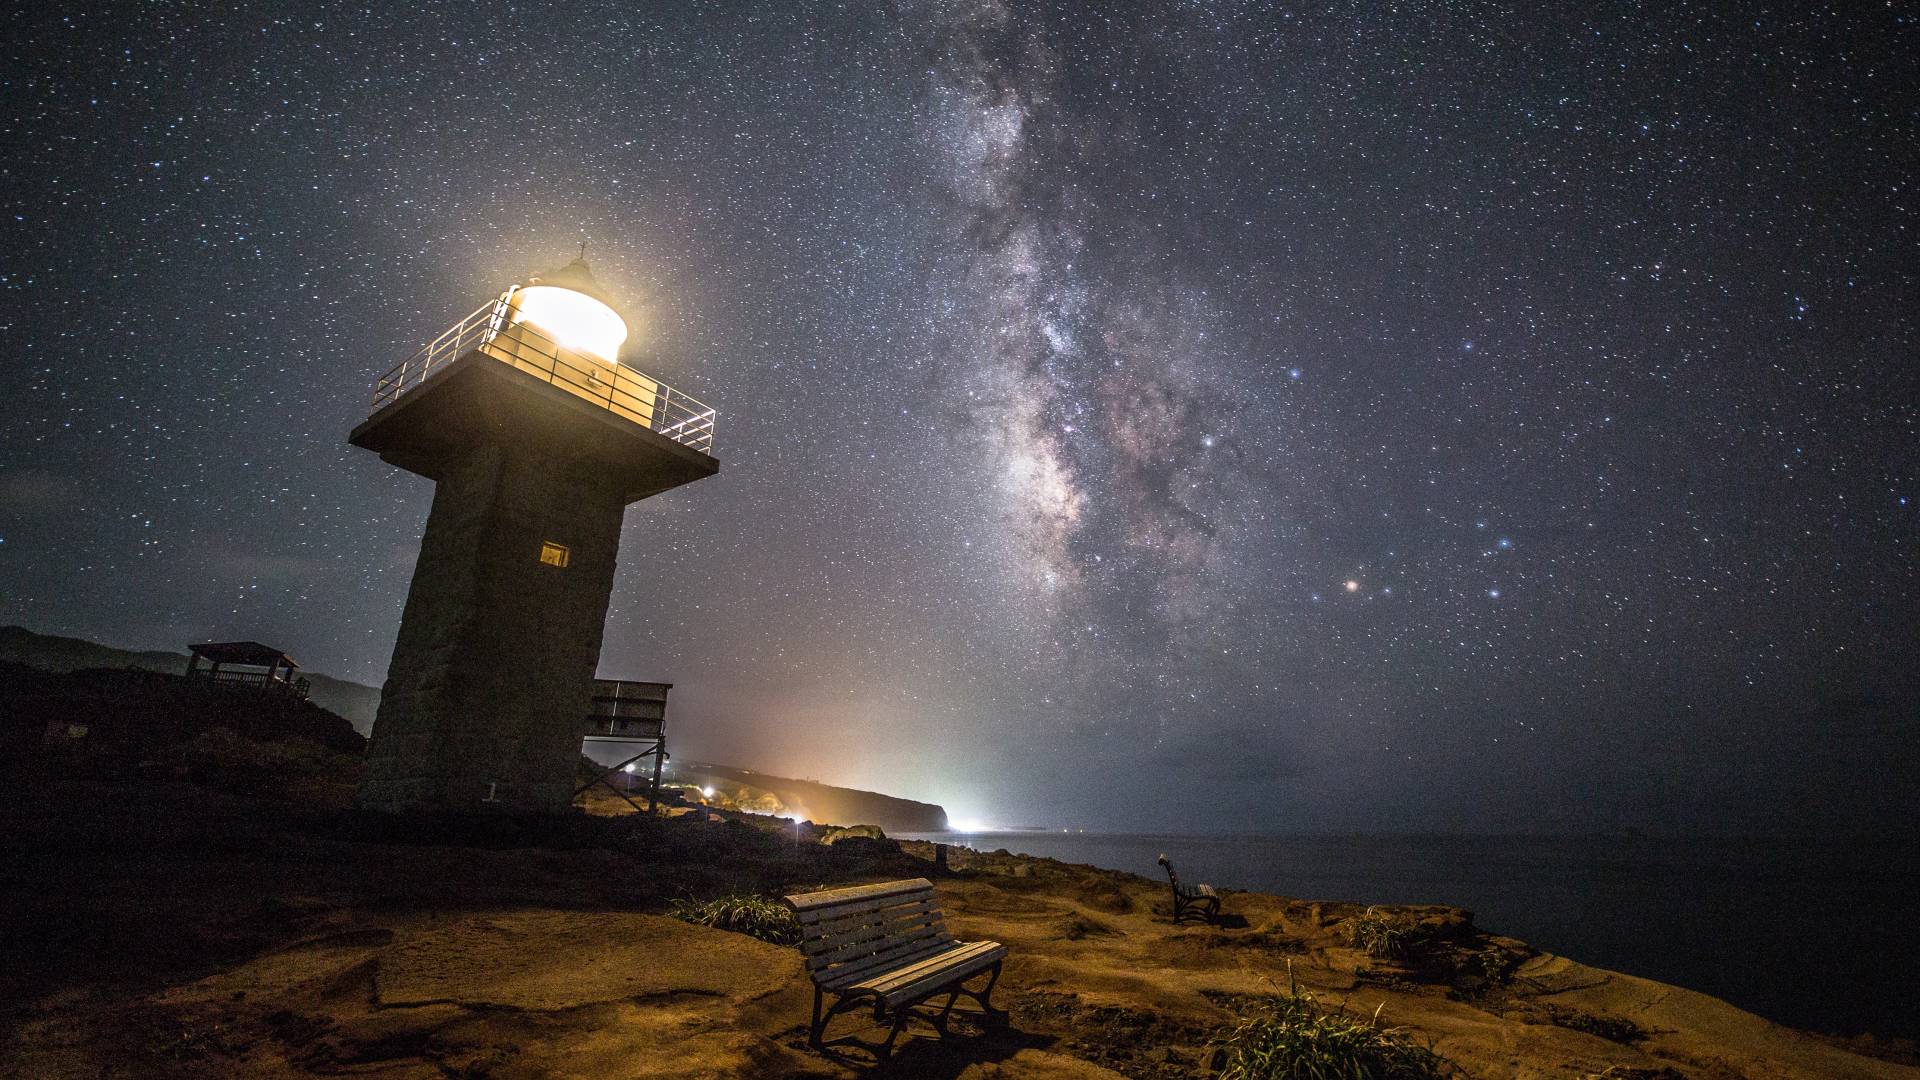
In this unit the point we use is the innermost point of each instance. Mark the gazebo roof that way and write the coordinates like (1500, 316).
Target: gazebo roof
(242, 652)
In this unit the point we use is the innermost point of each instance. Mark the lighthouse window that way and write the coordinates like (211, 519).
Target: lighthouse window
(553, 554)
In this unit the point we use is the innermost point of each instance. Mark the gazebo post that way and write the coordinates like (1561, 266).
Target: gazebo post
(659, 758)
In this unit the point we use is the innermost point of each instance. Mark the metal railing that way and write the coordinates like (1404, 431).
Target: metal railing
(615, 387)
(256, 680)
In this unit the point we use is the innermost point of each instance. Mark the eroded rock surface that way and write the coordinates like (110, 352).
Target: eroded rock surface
(208, 938)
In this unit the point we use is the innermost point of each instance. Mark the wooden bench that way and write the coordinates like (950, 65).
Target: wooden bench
(1191, 901)
(886, 944)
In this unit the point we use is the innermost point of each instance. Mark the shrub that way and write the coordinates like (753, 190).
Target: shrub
(1613, 1028)
(1383, 935)
(1494, 966)
(744, 913)
(1291, 1036)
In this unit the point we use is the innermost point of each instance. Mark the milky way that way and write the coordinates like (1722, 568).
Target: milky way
(1201, 417)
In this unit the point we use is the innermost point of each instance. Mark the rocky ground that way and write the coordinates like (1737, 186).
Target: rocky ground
(161, 929)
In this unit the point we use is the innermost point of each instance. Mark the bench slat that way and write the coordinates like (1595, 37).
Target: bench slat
(945, 978)
(904, 973)
(858, 908)
(936, 981)
(846, 975)
(885, 946)
(805, 902)
(932, 971)
(889, 954)
(867, 932)
(846, 924)
(840, 927)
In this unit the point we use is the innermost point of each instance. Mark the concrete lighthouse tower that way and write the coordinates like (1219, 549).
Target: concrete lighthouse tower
(537, 438)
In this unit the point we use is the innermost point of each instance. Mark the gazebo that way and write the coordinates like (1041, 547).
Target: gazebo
(246, 664)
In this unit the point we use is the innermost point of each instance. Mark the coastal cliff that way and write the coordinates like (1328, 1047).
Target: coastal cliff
(165, 929)
(818, 802)
(219, 910)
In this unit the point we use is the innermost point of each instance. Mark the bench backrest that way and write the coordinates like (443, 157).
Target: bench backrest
(849, 934)
(1172, 877)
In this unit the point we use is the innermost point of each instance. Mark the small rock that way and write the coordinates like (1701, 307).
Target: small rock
(867, 832)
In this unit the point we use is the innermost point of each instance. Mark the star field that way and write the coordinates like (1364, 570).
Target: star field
(1432, 417)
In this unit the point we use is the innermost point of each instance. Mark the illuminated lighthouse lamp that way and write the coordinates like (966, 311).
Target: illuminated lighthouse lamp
(570, 319)
(560, 327)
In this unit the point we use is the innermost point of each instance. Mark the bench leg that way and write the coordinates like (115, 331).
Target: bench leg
(940, 1022)
(899, 1021)
(817, 1029)
(982, 995)
(1206, 909)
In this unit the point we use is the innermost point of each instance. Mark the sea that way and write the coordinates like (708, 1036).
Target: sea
(1822, 935)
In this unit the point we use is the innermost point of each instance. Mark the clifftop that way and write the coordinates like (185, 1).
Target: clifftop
(824, 803)
(52, 653)
(215, 935)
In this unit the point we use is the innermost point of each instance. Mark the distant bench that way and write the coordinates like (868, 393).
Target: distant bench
(887, 944)
(1191, 901)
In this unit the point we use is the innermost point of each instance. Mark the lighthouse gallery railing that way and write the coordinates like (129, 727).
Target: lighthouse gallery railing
(615, 387)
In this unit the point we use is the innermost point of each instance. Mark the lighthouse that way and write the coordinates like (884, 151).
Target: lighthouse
(537, 437)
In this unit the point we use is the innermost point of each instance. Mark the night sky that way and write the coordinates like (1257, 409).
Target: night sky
(1406, 417)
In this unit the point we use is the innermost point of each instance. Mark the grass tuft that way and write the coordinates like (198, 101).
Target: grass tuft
(1385, 936)
(1292, 1036)
(743, 913)
(1080, 927)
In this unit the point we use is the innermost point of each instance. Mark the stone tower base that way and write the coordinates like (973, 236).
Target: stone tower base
(492, 675)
